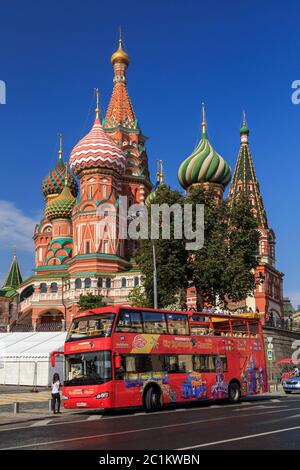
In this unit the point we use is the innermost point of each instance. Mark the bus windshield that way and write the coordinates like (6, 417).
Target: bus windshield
(88, 368)
(98, 326)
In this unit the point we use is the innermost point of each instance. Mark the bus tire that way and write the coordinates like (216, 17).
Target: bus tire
(234, 392)
(152, 399)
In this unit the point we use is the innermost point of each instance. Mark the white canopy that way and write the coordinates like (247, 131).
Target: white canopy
(25, 357)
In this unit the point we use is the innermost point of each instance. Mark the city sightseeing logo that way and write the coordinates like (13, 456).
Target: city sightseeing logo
(2, 92)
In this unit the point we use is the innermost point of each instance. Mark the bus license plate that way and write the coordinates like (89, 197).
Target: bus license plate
(81, 404)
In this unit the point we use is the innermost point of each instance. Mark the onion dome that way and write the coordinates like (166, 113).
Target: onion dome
(54, 182)
(205, 165)
(97, 150)
(120, 56)
(61, 206)
(159, 181)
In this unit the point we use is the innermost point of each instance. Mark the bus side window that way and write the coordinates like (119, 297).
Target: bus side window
(129, 321)
(177, 324)
(155, 323)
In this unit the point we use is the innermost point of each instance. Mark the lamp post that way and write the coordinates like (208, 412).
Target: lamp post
(154, 275)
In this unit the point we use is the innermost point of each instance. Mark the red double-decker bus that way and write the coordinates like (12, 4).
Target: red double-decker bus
(121, 356)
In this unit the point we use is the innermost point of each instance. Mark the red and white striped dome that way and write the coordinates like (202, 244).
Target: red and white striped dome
(97, 150)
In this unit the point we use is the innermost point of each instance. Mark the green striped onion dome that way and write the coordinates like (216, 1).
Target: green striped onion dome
(204, 165)
(54, 182)
(61, 206)
(150, 198)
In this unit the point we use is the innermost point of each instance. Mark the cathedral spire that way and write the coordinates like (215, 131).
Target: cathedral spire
(245, 180)
(203, 122)
(60, 151)
(120, 111)
(97, 110)
(244, 130)
(159, 172)
(14, 277)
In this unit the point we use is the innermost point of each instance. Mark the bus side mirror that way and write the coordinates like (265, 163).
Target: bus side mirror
(52, 359)
(117, 361)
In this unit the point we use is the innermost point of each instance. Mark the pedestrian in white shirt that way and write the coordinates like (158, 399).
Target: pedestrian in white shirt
(55, 387)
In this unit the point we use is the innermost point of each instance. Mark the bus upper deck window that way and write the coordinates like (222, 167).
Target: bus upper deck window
(130, 321)
(177, 324)
(155, 323)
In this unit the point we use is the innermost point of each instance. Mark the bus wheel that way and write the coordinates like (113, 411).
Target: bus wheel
(152, 400)
(234, 393)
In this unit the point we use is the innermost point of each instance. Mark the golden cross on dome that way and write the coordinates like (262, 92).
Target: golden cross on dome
(203, 123)
(97, 103)
(60, 152)
(66, 177)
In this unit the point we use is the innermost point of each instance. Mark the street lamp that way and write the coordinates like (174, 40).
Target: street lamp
(154, 275)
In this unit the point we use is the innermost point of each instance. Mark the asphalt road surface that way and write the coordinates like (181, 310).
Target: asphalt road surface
(262, 423)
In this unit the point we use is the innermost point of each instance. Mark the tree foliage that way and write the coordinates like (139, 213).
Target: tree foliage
(171, 257)
(222, 269)
(90, 301)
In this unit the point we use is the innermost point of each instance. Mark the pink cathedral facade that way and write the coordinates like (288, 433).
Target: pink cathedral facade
(78, 249)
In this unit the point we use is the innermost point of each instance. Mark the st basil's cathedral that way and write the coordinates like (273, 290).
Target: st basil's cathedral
(72, 254)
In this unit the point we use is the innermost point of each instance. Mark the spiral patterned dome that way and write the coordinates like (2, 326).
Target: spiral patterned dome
(54, 182)
(204, 165)
(61, 206)
(97, 150)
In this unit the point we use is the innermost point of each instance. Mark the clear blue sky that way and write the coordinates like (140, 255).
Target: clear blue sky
(231, 54)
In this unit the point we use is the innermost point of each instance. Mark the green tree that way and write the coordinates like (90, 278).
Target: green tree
(207, 263)
(224, 267)
(243, 238)
(138, 298)
(90, 301)
(171, 257)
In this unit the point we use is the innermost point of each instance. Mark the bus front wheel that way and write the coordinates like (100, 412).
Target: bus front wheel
(152, 400)
(234, 393)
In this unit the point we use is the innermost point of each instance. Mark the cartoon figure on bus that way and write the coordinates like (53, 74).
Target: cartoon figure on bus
(194, 386)
(140, 379)
(253, 378)
(220, 388)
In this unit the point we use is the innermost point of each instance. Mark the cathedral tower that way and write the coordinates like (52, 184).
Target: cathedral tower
(268, 296)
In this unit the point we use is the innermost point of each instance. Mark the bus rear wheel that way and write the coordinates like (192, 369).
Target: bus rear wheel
(152, 400)
(234, 393)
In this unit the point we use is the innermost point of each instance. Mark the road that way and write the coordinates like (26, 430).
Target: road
(262, 423)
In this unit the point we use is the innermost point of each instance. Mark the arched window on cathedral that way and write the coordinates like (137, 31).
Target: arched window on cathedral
(87, 248)
(78, 283)
(123, 282)
(108, 282)
(136, 281)
(87, 283)
(43, 288)
(100, 282)
(53, 287)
